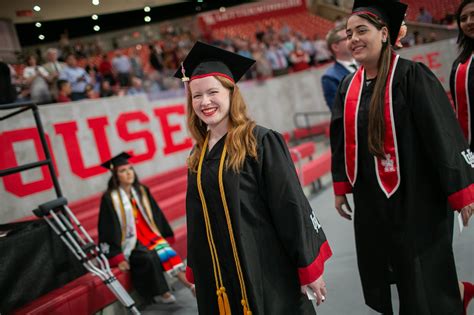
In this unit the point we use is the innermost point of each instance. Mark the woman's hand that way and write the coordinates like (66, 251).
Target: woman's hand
(319, 289)
(466, 213)
(340, 202)
(124, 266)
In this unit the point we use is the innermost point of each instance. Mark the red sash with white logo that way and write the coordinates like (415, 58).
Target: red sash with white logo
(387, 170)
(463, 111)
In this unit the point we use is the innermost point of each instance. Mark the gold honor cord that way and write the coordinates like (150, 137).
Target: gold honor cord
(222, 299)
(223, 302)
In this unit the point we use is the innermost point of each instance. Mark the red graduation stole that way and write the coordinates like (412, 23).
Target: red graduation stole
(387, 170)
(463, 111)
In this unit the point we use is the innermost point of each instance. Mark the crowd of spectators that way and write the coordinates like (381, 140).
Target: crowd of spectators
(71, 72)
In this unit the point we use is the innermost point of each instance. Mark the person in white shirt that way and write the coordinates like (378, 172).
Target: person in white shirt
(37, 79)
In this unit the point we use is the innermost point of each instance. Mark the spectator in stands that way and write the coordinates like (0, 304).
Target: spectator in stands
(37, 79)
(136, 88)
(402, 167)
(418, 39)
(275, 54)
(136, 63)
(156, 57)
(241, 174)
(77, 76)
(53, 67)
(308, 47)
(299, 58)
(122, 68)
(263, 67)
(93, 72)
(322, 53)
(424, 16)
(343, 64)
(91, 93)
(7, 90)
(462, 91)
(106, 70)
(105, 89)
(64, 91)
(134, 233)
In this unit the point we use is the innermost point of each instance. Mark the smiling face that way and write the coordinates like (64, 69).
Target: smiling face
(466, 20)
(125, 175)
(210, 101)
(364, 40)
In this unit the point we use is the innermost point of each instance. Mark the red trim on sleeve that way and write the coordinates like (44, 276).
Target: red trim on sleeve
(342, 188)
(114, 261)
(170, 240)
(312, 272)
(189, 274)
(462, 198)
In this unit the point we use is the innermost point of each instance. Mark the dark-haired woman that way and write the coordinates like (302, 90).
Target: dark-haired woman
(134, 233)
(462, 91)
(398, 149)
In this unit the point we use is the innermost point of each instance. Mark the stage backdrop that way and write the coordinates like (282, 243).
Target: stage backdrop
(85, 133)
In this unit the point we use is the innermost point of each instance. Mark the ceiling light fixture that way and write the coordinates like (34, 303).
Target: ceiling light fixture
(41, 37)
(95, 17)
(147, 9)
(37, 8)
(38, 24)
(96, 28)
(95, 2)
(147, 19)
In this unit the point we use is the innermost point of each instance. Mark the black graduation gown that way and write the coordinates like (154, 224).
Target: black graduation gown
(407, 238)
(470, 87)
(275, 237)
(145, 266)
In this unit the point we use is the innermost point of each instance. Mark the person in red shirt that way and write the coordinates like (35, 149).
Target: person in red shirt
(299, 58)
(64, 91)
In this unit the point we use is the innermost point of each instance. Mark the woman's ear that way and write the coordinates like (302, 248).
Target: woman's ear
(384, 34)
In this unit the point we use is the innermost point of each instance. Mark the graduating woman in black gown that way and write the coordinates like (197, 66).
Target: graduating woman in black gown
(254, 243)
(398, 148)
(462, 91)
(134, 233)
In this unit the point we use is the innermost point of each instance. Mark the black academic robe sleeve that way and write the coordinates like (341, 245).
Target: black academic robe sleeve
(442, 136)
(110, 232)
(341, 183)
(294, 220)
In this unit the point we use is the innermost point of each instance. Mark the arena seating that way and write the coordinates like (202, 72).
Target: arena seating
(312, 171)
(437, 8)
(314, 130)
(304, 23)
(310, 168)
(303, 151)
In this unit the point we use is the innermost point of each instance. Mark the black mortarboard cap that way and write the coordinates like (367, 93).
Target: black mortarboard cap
(392, 12)
(119, 159)
(205, 60)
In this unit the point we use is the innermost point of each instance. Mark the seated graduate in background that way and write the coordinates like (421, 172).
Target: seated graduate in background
(134, 233)
(254, 242)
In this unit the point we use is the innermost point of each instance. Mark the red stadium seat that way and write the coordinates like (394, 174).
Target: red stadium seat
(312, 171)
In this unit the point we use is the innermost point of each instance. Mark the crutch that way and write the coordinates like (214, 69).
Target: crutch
(65, 224)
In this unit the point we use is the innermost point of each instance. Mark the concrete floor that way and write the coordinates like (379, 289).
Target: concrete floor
(341, 275)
